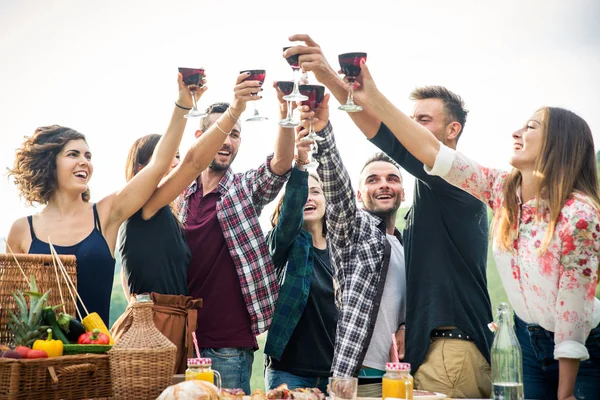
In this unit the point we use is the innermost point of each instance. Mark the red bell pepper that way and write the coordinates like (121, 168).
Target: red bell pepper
(94, 337)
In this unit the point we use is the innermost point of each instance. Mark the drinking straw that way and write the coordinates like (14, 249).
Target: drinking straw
(395, 348)
(196, 344)
(17, 261)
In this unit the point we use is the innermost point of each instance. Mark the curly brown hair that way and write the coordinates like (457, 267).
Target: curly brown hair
(34, 170)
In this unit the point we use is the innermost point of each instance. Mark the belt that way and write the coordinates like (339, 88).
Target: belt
(450, 334)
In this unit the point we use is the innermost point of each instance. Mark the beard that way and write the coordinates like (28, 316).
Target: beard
(382, 213)
(220, 167)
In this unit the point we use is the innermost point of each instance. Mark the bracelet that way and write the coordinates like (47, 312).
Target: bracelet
(232, 115)
(182, 107)
(301, 162)
(219, 128)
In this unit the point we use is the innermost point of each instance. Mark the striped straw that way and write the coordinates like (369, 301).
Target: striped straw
(395, 348)
(196, 344)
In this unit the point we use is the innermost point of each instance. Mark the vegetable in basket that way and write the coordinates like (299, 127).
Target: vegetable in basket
(71, 327)
(28, 326)
(93, 321)
(52, 347)
(50, 319)
(94, 337)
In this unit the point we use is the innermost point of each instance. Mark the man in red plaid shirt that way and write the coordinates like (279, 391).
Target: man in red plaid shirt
(231, 269)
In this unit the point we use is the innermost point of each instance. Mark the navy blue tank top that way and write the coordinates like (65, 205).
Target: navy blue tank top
(95, 268)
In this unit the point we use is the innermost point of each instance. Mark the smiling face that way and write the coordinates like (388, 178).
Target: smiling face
(314, 209)
(528, 142)
(381, 190)
(229, 149)
(74, 166)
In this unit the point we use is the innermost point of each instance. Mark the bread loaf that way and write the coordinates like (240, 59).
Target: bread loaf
(190, 390)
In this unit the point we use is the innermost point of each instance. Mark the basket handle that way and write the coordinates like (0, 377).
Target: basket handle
(71, 370)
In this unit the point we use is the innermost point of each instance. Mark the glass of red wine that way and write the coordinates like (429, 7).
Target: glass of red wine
(256, 75)
(192, 78)
(314, 94)
(350, 65)
(295, 94)
(286, 87)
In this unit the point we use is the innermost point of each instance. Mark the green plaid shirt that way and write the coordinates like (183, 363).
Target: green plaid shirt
(291, 249)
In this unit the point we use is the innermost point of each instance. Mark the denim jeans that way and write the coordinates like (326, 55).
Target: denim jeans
(274, 378)
(540, 369)
(233, 364)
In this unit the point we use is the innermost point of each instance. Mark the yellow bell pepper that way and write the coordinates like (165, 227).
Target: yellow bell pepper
(54, 348)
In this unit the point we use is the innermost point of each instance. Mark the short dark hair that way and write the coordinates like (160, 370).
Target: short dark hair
(215, 108)
(454, 105)
(379, 156)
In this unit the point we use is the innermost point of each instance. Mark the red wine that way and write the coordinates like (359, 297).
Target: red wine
(192, 77)
(255, 75)
(293, 60)
(350, 64)
(315, 94)
(286, 87)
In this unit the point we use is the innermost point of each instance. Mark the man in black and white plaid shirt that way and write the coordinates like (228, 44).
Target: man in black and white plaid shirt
(368, 257)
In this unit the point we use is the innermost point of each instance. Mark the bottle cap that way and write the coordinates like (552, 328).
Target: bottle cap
(199, 361)
(397, 366)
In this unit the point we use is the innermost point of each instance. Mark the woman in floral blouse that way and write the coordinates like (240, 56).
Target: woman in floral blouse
(546, 236)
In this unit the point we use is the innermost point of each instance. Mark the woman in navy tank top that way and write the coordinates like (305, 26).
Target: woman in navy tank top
(153, 247)
(53, 168)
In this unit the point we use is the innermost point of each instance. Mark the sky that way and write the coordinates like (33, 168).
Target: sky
(108, 69)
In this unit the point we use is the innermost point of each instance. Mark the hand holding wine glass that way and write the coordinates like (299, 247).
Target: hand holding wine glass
(193, 78)
(285, 88)
(311, 58)
(243, 92)
(350, 64)
(364, 86)
(303, 145)
(319, 115)
(256, 76)
(185, 95)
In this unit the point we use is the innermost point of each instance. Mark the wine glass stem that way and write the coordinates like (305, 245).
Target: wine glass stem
(296, 79)
(255, 109)
(194, 107)
(289, 111)
(311, 131)
(350, 100)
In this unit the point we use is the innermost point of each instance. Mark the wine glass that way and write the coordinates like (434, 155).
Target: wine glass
(295, 95)
(350, 65)
(315, 94)
(192, 78)
(286, 88)
(256, 75)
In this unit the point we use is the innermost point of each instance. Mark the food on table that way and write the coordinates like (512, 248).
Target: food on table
(190, 390)
(33, 354)
(282, 392)
(50, 319)
(3, 348)
(27, 327)
(71, 349)
(23, 351)
(94, 337)
(52, 347)
(232, 394)
(93, 321)
(423, 393)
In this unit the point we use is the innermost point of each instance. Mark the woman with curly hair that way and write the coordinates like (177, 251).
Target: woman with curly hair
(53, 168)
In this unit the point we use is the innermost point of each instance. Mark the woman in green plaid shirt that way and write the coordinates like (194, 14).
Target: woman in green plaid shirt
(300, 342)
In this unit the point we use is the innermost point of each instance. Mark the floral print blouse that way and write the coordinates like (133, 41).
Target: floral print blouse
(555, 289)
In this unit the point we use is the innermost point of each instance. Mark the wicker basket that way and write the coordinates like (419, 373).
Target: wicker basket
(40, 266)
(68, 377)
(143, 360)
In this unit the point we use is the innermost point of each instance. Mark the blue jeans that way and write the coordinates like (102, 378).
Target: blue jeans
(540, 369)
(274, 378)
(233, 364)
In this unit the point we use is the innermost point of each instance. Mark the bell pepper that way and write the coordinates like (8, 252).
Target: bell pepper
(94, 337)
(54, 348)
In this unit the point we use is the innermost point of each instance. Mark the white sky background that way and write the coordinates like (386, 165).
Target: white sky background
(109, 70)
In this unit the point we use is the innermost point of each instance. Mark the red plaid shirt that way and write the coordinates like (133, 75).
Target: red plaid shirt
(243, 197)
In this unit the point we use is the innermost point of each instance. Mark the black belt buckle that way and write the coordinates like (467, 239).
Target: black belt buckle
(450, 334)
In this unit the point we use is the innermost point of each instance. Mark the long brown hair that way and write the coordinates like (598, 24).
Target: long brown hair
(34, 170)
(277, 211)
(566, 164)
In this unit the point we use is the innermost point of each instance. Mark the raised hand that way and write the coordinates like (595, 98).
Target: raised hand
(242, 93)
(320, 116)
(311, 58)
(185, 96)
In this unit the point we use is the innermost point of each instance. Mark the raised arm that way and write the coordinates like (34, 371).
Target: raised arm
(117, 207)
(337, 187)
(201, 153)
(291, 217)
(312, 59)
(284, 142)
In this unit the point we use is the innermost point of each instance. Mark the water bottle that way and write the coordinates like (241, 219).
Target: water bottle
(507, 364)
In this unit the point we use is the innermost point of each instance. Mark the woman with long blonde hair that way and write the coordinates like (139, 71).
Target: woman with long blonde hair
(545, 233)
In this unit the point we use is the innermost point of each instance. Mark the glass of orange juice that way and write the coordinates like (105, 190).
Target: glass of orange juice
(201, 369)
(397, 382)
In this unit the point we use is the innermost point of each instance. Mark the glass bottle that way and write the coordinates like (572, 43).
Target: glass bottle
(397, 382)
(507, 364)
(201, 369)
